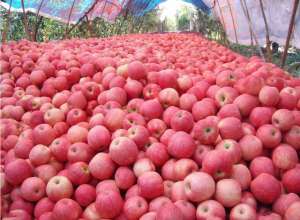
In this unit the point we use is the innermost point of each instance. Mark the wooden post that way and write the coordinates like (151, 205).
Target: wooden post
(287, 43)
(25, 21)
(6, 28)
(69, 18)
(268, 42)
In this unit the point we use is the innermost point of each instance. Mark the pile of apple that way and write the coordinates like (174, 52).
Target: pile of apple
(149, 127)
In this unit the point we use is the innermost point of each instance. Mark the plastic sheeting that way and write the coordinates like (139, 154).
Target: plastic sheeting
(69, 10)
(233, 16)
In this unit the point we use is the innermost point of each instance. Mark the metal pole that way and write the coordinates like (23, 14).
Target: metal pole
(233, 22)
(268, 42)
(248, 16)
(25, 21)
(254, 35)
(287, 43)
(37, 21)
(6, 29)
(69, 17)
(80, 19)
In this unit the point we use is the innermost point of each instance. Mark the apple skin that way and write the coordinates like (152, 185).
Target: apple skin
(260, 116)
(101, 166)
(261, 165)
(136, 70)
(292, 137)
(251, 147)
(242, 175)
(194, 190)
(269, 135)
(59, 187)
(43, 206)
(139, 134)
(206, 131)
(291, 180)
(90, 212)
(124, 177)
(228, 192)
(151, 184)
(182, 121)
(283, 119)
(230, 128)
(142, 166)
(217, 164)
(269, 96)
(293, 213)
(62, 209)
(242, 211)
(169, 211)
(261, 190)
(229, 110)
(79, 152)
(85, 194)
(203, 108)
(167, 170)
(168, 97)
(187, 209)
(181, 145)
(123, 151)
(148, 216)
(246, 103)
(157, 153)
(186, 101)
(231, 147)
(109, 204)
(283, 202)
(99, 137)
(33, 189)
(79, 173)
(248, 198)
(135, 207)
(17, 171)
(151, 109)
(184, 167)
(285, 157)
(178, 191)
(107, 185)
(210, 208)
(43, 134)
(158, 202)
(114, 118)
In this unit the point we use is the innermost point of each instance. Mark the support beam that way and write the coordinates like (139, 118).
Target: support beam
(268, 42)
(287, 43)
(38, 21)
(243, 3)
(80, 19)
(25, 21)
(233, 21)
(69, 18)
(7, 25)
